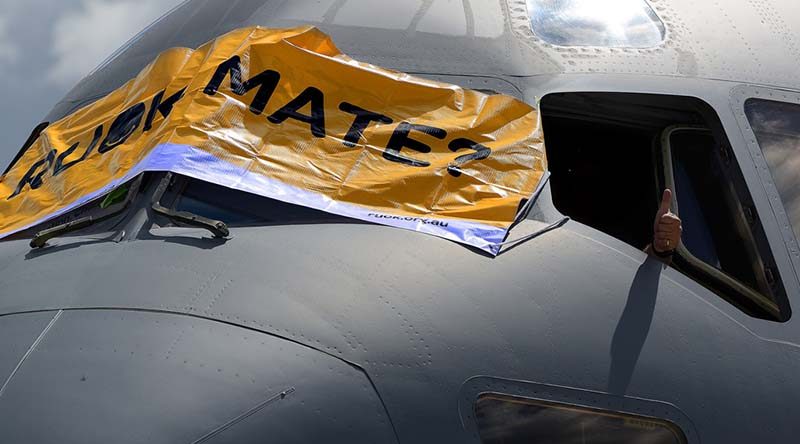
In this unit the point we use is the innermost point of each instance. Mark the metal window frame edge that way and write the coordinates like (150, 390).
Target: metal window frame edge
(739, 95)
(668, 170)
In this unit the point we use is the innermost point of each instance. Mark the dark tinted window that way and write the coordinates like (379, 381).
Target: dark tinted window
(239, 208)
(777, 129)
(509, 420)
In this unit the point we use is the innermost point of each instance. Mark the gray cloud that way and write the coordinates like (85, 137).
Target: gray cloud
(46, 46)
(84, 37)
(8, 51)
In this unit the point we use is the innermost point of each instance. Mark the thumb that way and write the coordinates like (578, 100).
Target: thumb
(666, 201)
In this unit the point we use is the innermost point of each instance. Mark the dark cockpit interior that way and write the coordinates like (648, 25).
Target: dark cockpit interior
(612, 154)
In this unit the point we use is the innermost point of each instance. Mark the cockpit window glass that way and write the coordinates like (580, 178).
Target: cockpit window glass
(776, 126)
(612, 23)
(509, 420)
(237, 208)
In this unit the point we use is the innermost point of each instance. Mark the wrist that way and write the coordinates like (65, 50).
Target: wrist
(661, 253)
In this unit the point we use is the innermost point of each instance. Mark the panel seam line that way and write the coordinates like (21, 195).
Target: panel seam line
(30, 350)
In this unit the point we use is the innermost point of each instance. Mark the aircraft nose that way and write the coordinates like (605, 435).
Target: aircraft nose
(137, 376)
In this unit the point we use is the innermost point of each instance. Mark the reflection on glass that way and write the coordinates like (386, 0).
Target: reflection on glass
(613, 23)
(238, 208)
(507, 420)
(777, 129)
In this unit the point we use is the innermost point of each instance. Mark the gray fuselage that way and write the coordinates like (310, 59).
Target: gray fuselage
(366, 333)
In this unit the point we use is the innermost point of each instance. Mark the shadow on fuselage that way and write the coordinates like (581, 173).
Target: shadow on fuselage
(633, 326)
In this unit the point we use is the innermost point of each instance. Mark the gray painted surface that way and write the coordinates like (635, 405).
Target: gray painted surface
(742, 41)
(133, 376)
(422, 315)
(17, 335)
(573, 308)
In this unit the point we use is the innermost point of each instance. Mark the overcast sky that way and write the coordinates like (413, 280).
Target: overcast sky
(46, 46)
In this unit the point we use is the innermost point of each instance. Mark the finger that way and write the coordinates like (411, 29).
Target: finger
(663, 245)
(669, 221)
(671, 216)
(667, 244)
(666, 200)
(668, 234)
(663, 239)
(672, 239)
(668, 228)
(664, 235)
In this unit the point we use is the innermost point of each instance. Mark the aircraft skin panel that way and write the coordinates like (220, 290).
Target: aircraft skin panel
(345, 306)
(424, 315)
(18, 334)
(133, 376)
(739, 41)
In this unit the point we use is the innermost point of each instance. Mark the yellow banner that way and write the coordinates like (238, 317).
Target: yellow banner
(284, 114)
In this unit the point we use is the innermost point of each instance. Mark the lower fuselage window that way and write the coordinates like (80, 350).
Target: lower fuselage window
(504, 419)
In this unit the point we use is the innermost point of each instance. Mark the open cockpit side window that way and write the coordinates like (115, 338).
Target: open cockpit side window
(612, 154)
(719, 244)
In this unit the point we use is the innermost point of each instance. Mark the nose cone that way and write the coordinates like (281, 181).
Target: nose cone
(135, 376)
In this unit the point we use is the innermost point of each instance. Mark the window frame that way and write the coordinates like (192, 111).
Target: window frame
(739, 95)
(779, 308)
(712, 109)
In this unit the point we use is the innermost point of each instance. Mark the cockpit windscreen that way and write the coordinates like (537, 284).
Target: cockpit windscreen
(777, 129)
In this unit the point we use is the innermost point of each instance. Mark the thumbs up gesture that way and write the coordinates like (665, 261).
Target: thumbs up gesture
(667, 226)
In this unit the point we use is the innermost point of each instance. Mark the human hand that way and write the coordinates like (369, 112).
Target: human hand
(667, 226)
